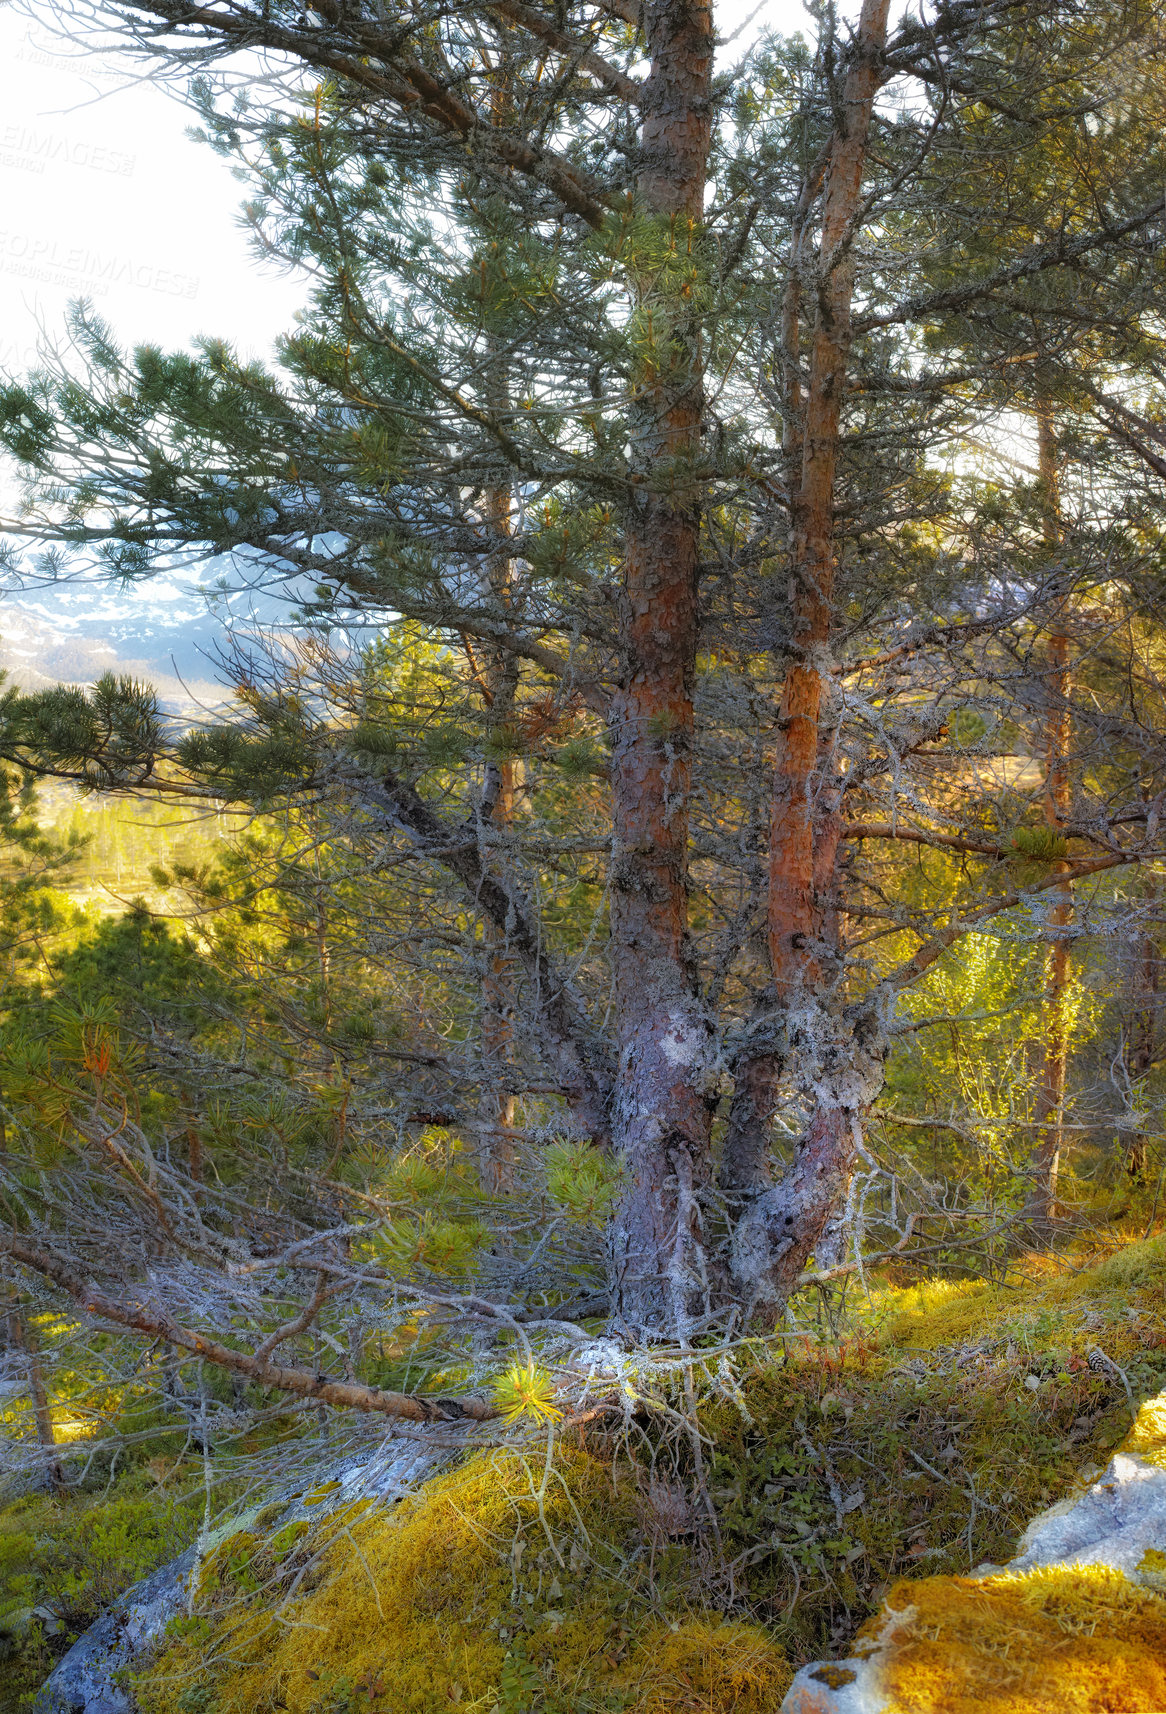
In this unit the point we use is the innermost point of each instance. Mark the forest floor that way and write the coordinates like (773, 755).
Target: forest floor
(628, 1571)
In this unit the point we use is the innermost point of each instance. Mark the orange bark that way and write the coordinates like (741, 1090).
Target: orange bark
(795, 909)
(775, 1238)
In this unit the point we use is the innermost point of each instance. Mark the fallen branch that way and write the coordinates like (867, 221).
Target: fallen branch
(347, 1395)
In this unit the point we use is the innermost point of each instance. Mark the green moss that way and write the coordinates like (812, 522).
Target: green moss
(70, 1556)
(1137, 1265)
(929, 1445)
(476, 1591)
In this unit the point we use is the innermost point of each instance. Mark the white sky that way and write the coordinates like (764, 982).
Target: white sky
(103, 194)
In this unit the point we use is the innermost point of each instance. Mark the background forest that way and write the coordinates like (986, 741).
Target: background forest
(680, 888)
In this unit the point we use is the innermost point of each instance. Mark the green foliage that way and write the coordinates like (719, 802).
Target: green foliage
(1034, 845)
(109, 735)
(582, 1180)
(64, 1559)
(430, 1245)
(526, 1391)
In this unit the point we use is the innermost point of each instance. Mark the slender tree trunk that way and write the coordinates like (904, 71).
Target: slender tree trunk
(22, 1336)
(496, 1152)
(1050, 1100)
(837, 1061)
(662, 1110)
(497, 1156)
(745, 1164)
(1144, 1040)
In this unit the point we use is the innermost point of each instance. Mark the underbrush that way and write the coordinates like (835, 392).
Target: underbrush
(926, 1442)
(124, 1510)
(65, 1557)
(904, 1454)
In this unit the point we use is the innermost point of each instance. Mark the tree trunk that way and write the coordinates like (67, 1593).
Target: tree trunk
(1050, 1100)
(496, 1152)
(23, 1337)
(497, 1156)
(837, 1061)
(1144, 1040)
(662, 1112)
(744, 1168)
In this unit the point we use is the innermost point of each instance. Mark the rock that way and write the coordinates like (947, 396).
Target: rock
(1116, 1525)
(87, 1679)
(850, 1686)
(1113, 1523)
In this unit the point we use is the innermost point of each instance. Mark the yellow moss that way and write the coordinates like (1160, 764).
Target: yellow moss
(938, 1313)
(704, 1665)
(1061, 1641)
(942, 1312)
(468, 1594)
(1136, 1265)
(1147, 1438)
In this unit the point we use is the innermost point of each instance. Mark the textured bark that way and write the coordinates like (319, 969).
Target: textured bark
(1144, 1039)
(837, 1063)
(744, 1166)
(1050, 1098)
(745, 1153)
(662, 1114)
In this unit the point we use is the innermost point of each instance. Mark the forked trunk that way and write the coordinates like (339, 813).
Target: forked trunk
(835, 1060)
(662, 1116)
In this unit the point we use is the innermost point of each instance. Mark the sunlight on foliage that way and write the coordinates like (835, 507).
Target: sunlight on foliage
(526, 1391)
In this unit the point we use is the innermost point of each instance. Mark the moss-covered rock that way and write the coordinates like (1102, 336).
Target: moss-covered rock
(503, 1585)
(1076, 1625)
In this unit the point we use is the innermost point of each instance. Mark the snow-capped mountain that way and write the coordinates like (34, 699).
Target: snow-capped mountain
(168, 633)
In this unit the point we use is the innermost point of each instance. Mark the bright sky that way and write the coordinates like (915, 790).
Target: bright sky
(103, 195)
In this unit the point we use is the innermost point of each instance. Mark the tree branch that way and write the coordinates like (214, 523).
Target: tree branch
(156, 1324)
